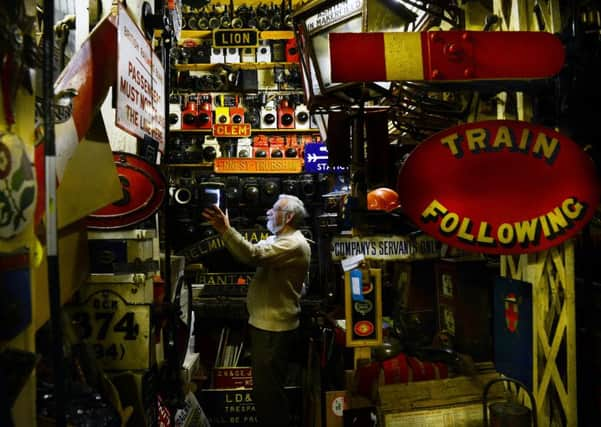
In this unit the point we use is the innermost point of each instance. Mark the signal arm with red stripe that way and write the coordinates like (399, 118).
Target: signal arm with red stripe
(445, 56)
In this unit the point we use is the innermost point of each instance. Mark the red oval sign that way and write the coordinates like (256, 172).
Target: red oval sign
(499, 187)
(144, 191)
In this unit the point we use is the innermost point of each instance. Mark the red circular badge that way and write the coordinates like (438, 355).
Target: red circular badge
(367, 288)
(364, 328)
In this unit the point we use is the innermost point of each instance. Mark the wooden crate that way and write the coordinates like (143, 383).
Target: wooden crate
(448, 402)
(463, 415)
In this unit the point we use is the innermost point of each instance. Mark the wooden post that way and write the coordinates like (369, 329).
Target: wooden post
(551, 272)
(552, 276)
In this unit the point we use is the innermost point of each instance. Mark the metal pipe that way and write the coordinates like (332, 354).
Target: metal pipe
(167, 42)
(54, 294)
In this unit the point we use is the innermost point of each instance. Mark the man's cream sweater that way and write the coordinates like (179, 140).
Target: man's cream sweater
(281, 262)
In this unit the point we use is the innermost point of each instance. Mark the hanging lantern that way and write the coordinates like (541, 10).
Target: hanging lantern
(315, 21)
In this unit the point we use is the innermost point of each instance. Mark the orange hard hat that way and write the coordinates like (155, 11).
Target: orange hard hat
(383, 199)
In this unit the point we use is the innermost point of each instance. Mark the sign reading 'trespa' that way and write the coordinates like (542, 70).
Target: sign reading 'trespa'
(499, 187)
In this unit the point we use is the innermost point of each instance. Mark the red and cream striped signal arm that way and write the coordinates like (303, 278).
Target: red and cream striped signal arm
(445, 56)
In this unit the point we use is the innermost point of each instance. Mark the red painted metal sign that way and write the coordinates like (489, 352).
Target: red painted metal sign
(445, 55)
(144, 190)
(499, 187)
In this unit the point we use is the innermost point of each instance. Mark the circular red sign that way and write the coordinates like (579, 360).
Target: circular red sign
(367, 288)
(144, 190)
(499, 187)
(364, 328)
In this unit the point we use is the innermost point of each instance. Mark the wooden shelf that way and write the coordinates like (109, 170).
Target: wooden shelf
(235, 66)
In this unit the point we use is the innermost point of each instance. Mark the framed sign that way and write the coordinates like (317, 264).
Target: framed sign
(363, 309)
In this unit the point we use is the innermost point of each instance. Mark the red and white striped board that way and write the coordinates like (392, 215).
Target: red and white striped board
(445, 56)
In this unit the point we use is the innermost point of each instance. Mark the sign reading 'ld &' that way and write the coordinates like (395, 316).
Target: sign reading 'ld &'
(499, 187)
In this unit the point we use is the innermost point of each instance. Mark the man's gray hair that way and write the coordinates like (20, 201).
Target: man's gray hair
(297, 207)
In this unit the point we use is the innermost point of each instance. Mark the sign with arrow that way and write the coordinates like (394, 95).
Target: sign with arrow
(316, 159)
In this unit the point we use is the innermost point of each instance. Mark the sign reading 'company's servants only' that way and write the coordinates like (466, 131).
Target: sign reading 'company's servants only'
(499, 187)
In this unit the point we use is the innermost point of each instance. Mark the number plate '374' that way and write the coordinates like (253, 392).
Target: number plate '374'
(118, 332)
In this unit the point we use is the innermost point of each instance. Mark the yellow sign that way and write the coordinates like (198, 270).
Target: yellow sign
(364, 315)
(236, 38)
(245, 165)
(232, 131)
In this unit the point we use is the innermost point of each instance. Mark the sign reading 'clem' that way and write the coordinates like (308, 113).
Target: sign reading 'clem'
(499, 187)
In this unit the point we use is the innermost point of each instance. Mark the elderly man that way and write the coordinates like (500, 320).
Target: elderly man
(273, 299)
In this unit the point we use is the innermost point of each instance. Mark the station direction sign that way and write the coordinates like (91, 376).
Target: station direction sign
(316, 159)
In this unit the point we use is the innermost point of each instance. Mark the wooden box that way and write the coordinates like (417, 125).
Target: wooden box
(449, 402)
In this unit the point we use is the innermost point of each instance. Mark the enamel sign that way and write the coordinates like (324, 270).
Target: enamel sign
(499, 187)
(140, 101)
(143, 187)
